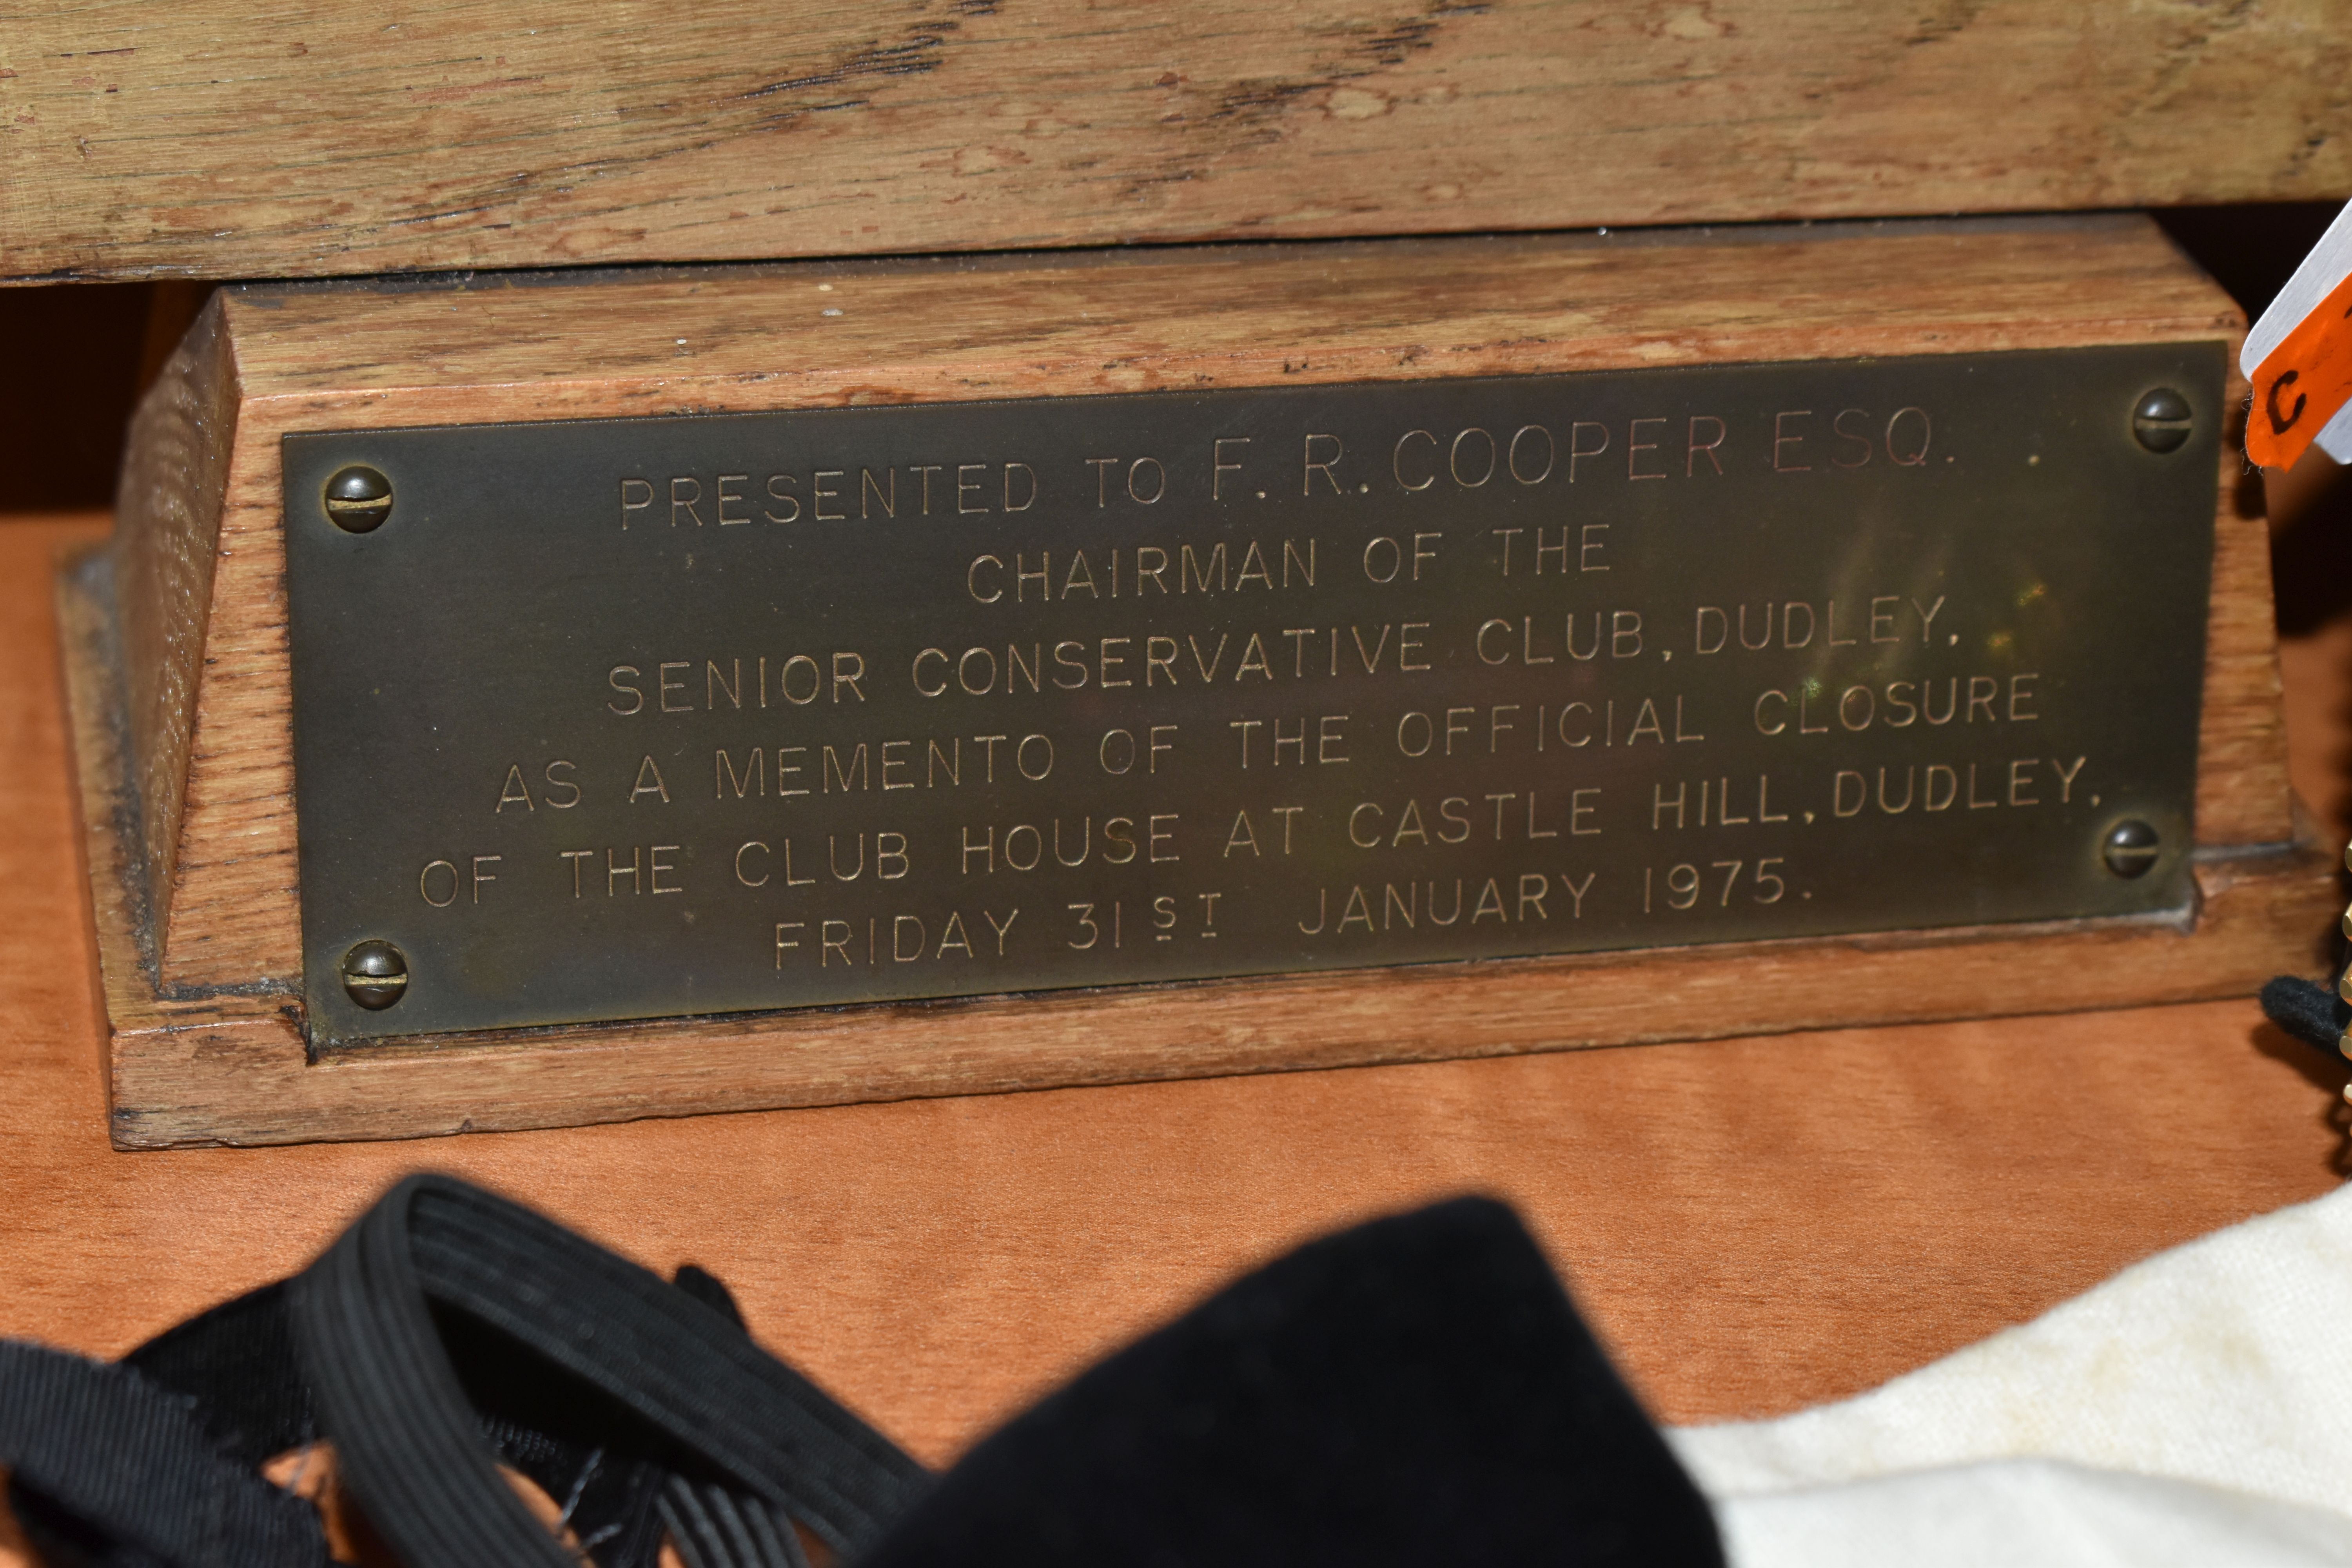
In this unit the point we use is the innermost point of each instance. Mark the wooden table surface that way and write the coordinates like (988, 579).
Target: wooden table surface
(1753, 1225)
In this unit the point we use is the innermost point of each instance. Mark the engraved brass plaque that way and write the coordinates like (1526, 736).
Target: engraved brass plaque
(673, 716)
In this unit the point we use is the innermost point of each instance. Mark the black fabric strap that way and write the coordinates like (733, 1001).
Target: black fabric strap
(114, 1462)
(413, 1449)
(1417, 1389)
(238, 1362)
(712, 1528)
(2313, 1013)
(408, 1443)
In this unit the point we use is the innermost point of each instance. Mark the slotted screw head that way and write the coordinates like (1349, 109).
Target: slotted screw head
(375, 975)
(2161, 421)
(358, 500)
(2130, 849)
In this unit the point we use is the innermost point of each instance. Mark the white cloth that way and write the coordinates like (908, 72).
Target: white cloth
(2028, 1513)
(2200, 1399)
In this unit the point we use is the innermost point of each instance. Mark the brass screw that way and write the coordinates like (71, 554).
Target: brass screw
(2131, 848)
(375, 975)
(358, 500)
(2346, 924)
(2161, 421)
(2344, 1042)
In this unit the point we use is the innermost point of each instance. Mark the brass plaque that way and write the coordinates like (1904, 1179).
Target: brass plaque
(654, 717)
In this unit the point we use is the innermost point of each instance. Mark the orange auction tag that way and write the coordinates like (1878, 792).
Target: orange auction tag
(2302, 384)
(2299, 358)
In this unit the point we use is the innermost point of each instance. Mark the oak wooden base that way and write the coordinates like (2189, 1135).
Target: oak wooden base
(220, 1067)
(184, 734)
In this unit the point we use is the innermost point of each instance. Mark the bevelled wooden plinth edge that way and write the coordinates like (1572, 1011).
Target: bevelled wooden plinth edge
(234, 1068)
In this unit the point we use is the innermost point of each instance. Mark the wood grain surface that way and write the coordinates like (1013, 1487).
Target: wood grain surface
(205, 138)
(174, 481)
(1754, 1224)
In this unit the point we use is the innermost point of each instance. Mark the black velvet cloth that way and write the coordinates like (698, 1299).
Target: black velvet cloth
(1415, 1391)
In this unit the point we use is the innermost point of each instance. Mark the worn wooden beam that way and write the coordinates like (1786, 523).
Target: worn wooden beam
(208, 139)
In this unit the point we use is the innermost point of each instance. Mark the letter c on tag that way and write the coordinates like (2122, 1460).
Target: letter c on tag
(2280, 426)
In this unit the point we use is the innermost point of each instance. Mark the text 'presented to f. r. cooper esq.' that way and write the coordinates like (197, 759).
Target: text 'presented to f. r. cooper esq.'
(673, 716)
